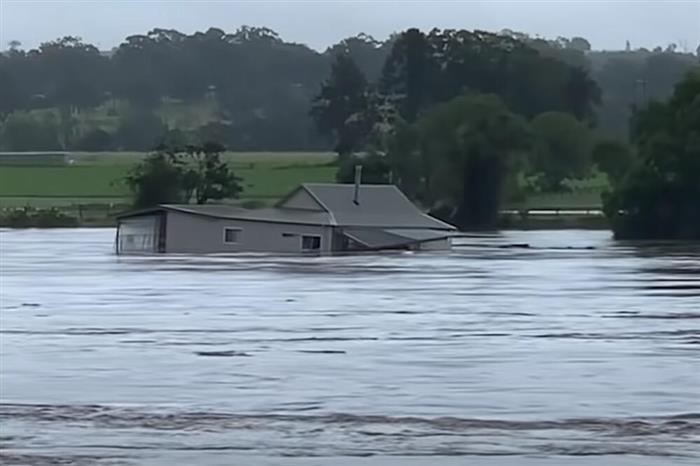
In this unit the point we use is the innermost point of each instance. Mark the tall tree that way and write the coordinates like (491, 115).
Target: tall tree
(410, 73)
(561, 150)
(368, 53)
(470, 146)
(338, 109)
(424, 69)
(614, 158)
(659, 197)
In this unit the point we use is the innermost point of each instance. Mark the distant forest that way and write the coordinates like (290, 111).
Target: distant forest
(252, 91)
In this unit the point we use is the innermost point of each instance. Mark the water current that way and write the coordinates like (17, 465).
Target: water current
(575, 350)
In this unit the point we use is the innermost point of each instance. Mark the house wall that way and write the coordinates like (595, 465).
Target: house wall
(302, 200)
(198, 234)
(436, 245)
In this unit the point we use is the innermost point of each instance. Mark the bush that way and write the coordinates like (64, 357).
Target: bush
(29, 217)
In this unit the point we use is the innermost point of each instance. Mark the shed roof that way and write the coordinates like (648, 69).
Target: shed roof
(275, 215)
(379, 205)
(378, 238)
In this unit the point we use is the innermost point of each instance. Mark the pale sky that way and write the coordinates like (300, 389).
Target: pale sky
(105, 23)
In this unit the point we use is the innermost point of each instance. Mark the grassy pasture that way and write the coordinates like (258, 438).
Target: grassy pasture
(96, 177)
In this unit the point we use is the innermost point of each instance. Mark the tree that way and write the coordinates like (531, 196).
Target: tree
(561, 150)
(410, 73)
(24, 132)
(631, 79)
(158, 179)
(10, 96)
(532, 76)
(614, 158)
(375, 169)
(338, 108)
(469, 146)
(659, 196)
(580, 44)
(139, 130)
(74, 73)
(209, 177)
(179, 175)
(368, 53)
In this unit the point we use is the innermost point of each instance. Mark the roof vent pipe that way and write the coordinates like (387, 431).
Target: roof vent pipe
(358, 180)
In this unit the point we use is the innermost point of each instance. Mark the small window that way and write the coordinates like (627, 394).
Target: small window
(232, 235)
(310, 243)
(289, 235)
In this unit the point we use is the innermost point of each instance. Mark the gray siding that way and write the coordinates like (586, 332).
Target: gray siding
(302, 200)
(199, 234)
(444, 244)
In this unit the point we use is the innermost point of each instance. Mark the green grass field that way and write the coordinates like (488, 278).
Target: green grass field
(95, 178)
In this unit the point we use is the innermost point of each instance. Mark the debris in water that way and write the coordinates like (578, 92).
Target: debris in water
(323, 351)
(222, 354)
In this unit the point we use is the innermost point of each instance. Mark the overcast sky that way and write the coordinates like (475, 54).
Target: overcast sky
(606, 24)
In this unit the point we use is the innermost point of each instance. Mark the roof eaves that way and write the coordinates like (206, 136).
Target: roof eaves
(139, 212)
(185, 210)
(446, 225)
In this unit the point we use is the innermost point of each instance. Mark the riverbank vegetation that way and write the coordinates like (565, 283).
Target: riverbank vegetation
(467, 123)
(659, 196)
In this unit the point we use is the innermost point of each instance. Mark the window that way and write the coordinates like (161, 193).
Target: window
(232, 235)
(137, 235)
(310, 243)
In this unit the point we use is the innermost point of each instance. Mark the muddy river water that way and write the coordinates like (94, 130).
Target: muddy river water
(576, 350)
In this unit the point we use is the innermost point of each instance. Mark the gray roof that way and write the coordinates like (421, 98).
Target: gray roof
(276, 215)
(380, 238)
(271, 214)
(379, 205)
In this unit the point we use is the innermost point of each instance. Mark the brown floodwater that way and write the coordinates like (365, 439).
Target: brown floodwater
(576, 350)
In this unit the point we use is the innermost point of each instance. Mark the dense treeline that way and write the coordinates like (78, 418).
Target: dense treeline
(251, 90)
(460, 119)
(659, 195)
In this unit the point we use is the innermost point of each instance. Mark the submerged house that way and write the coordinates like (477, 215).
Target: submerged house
(320, 218)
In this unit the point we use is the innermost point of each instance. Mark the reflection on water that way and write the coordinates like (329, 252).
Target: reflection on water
(572, 350)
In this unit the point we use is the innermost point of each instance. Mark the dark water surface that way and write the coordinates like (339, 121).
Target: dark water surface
(575, 351)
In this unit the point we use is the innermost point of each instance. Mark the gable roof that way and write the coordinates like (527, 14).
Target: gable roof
(379, 205)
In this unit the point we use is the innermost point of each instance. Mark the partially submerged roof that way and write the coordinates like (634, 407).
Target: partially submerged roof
(379, 238)
(378, 206)
(222, 211)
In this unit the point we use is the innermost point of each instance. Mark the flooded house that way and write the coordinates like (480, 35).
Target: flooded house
(313, 218)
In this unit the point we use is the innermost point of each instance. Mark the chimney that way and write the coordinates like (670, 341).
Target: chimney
(358, 180)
